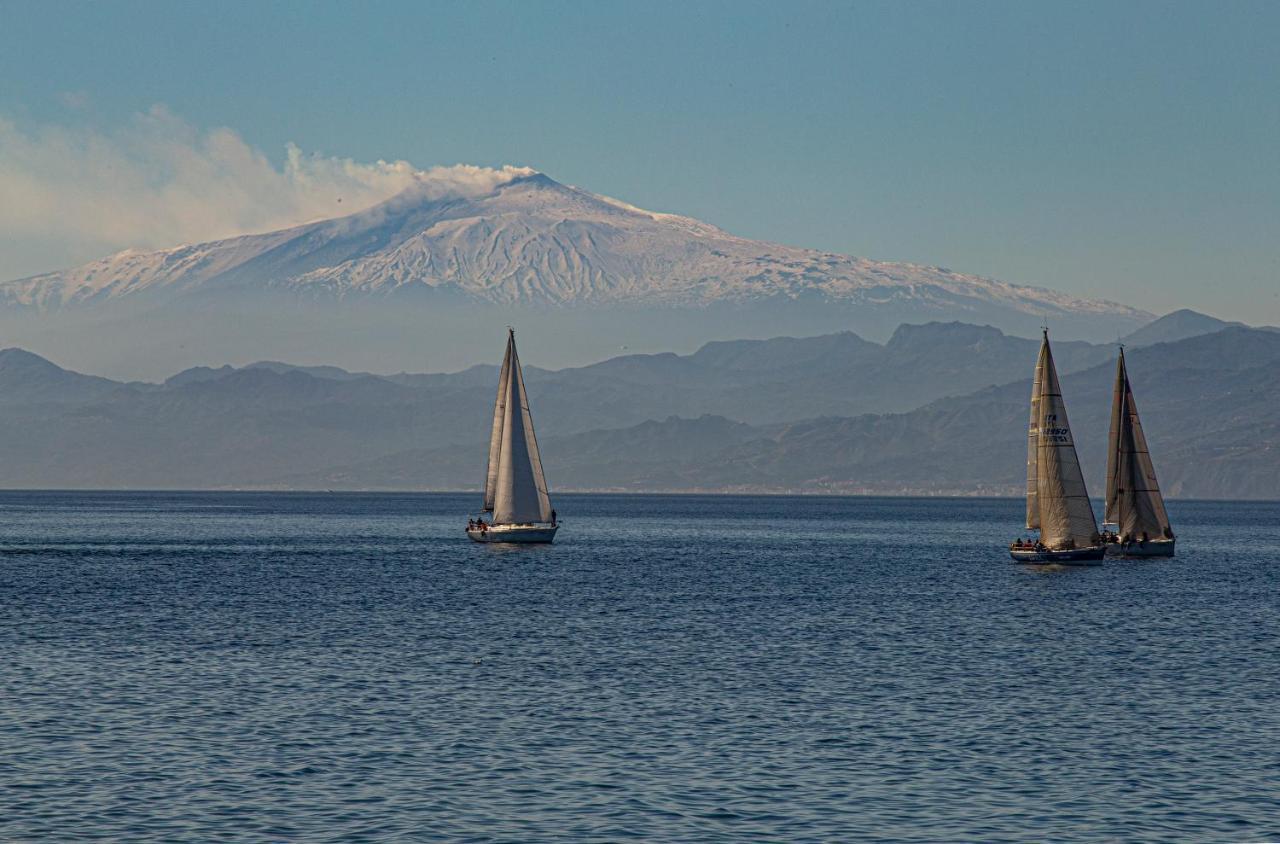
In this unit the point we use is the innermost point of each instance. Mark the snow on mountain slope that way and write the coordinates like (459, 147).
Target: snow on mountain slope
(531, 240)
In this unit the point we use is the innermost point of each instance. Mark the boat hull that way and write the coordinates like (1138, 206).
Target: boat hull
(523, 534)
(1152, 548)
(1072, 557)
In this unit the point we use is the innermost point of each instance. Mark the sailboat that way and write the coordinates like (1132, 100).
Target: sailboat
(515, 490)
(1134, 503)
(1057, 501)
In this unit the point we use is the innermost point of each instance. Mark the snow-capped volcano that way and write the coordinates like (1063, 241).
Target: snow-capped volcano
(533, 241)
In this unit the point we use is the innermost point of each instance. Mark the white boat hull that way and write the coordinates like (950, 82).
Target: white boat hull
(1073, 557)
(1151, 548)
(515, 533)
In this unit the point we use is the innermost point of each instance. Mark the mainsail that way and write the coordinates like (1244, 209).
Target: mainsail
(515, 488)
(1033, 449)
(1064, 513)
(499, 417)
(1134, 502)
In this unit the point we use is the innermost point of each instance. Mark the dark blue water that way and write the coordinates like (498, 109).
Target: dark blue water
(350, 667)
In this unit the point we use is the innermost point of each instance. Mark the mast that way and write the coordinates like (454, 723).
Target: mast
(520, 488)
(499, 416)
(1065, 514)
(1134, 502)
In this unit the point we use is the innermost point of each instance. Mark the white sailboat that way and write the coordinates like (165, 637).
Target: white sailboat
(1134, 504)
(1057, 501)
(515, 490)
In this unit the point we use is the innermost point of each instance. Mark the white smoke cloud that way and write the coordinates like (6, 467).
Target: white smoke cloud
(159, 182)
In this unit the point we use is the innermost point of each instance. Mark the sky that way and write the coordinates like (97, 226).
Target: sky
(1128, 151)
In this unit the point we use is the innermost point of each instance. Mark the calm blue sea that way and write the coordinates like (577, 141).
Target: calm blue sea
(288, 667)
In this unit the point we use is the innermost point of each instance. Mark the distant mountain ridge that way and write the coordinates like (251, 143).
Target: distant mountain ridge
(30, 378)
(929, 411)
(1177, 325)
(1207, 404)
(772, 380)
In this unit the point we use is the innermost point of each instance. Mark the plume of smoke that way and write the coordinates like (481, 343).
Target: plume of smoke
(159, 181)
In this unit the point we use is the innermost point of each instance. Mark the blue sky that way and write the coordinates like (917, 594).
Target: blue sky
(1129, 151)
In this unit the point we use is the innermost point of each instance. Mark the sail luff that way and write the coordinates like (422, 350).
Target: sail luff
(499, 416)
(1033, 430)
(1066, 515)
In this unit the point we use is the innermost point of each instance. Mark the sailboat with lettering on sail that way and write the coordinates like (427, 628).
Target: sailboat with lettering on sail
(1134, 504)
(1057, 501)
(515, 490)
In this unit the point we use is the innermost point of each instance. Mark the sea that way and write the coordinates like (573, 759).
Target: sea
(349, 667)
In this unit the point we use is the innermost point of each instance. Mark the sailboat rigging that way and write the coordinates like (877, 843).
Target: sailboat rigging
(1057, 501)
(1134, 503)
(515, 488)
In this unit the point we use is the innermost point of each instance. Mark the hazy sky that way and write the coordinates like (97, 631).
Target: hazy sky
(1129, 151)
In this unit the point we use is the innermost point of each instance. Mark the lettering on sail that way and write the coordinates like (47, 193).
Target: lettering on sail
(1052, 433)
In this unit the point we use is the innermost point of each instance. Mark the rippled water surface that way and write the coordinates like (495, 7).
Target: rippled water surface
(283, 667)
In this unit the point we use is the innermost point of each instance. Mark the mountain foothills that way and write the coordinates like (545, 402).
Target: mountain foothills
(938, 408)
(427, 273)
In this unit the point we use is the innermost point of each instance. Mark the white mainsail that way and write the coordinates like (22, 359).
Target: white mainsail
(1134, 502)
(499, 416)
(515, 487)
(1064, 513)
(1033, 450)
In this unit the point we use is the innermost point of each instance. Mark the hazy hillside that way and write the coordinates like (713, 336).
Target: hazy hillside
(219, 426)
(780, 414)
(1177, 325)
(25, 377)
(1208, 405)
